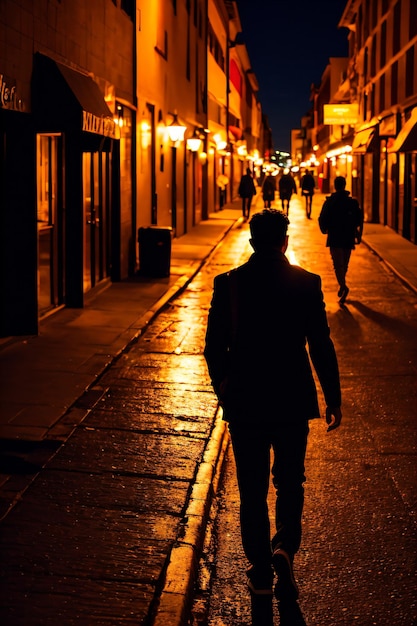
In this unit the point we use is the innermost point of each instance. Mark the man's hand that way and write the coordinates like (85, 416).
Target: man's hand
(333, 417)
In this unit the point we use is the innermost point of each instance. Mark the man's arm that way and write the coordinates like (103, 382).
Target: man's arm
(218, 334)
(323, 356)
(323, 218)
(359, 223)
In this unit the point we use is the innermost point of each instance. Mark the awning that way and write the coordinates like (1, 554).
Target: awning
(364, 140)
(406, 140)
(65, 98)
(236, 132)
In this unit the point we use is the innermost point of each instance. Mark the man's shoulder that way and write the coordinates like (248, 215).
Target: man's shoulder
(224, 277)
(303, 274)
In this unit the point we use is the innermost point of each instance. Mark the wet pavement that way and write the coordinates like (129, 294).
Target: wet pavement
(112, 443)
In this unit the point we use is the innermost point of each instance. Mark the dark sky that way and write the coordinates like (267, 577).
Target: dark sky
(289, 45)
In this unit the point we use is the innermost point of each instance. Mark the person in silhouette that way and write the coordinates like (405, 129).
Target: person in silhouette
(262, 316)
(246, 191)
(286, 187)
(341, 219)
(307, 189)
(268, 190)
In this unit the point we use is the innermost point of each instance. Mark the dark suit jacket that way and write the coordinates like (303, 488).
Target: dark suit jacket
(262, 316)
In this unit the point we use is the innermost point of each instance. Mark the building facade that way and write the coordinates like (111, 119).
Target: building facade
(91, 96)
(63, 67)
(370, 134)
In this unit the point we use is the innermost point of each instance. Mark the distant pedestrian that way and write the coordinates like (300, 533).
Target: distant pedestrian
(287, 187)
(222, 182)
(341, 219)
(246, 191)
(307, 189)
(268, 190)
(263, 314)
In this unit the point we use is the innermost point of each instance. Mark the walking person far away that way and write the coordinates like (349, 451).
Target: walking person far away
(307, 189)
(341, 219)
(268, 190)
(286, 187)
(262, 315)
(246, 191)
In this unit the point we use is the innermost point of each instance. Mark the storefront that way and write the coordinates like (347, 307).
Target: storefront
(60, 181)
(365, 150)
(75, 133)
(18, 239)
(404, 151)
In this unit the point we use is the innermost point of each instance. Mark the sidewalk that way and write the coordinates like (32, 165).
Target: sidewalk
(42, 376)
(47, 389)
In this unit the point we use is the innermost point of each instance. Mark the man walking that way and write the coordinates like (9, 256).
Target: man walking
(262, 315)
(307, 189)
(286, 187)
(246, 191)
(341, 219)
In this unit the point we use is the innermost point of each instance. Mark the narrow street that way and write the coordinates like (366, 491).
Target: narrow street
(357, 563)
(93, 539)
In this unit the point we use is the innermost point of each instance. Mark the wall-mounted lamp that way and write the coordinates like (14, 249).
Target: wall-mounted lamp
(176, 130)
(221, 144)
(145, 131)
(118, 118)
(194, 142)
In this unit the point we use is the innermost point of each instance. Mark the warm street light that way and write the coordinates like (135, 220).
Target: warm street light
(176, 130)
(194, 142)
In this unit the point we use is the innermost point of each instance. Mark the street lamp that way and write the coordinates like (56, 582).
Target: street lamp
(176, 130)
(194, 142)
(176, 133)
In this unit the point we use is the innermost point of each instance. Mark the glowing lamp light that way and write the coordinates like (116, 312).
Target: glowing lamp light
(220, 143)
(176, 130)
(194, 142)
(145, 134)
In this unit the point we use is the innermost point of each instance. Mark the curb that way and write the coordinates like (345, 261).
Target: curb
(175, 600)
(390, 267)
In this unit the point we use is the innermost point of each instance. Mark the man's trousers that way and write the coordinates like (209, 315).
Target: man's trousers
(251, 448)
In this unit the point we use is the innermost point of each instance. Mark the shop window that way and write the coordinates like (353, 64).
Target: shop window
(394, 83)
(409, 72)
(383, 44)
(396, 41)
(49, 292)
(382, 93)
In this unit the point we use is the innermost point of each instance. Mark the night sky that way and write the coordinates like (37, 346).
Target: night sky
(289, 45)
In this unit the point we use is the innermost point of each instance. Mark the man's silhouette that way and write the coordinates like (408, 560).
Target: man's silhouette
(263, 314)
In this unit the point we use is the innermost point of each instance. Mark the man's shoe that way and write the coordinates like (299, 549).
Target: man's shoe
(344, 295)
(260, 580)
(286, 587)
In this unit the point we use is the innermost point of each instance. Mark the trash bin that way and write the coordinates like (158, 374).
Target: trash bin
(154, 250)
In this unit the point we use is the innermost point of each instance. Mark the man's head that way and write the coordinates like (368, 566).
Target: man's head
(268, 230)
(248, 171)
(339, 183)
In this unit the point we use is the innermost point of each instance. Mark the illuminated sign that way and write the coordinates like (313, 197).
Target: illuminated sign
(99, 125)
(8, 96)
(341, 114)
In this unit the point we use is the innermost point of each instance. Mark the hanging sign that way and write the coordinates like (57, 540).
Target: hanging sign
(340, 114)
